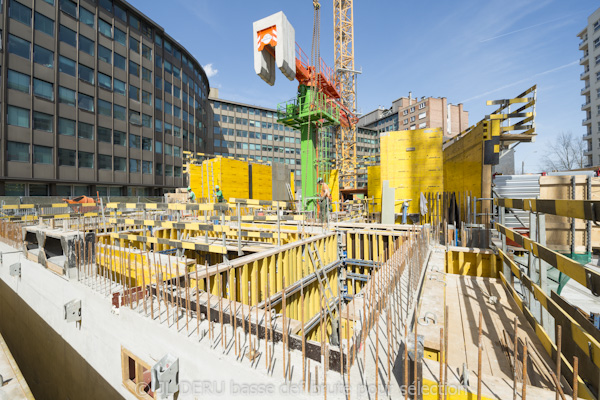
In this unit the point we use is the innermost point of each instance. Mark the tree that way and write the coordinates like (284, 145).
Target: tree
(565, 153)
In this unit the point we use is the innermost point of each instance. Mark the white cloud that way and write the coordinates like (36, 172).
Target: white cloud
(210, 70)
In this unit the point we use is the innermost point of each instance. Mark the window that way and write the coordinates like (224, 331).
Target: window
(18, 81)
(158, 61)
(86, 17)
(422, 115)
(104, 81)
(120, 36)
(86, 45)
(104, 108)
(43, 122)
(168, 47)
(146, 97)
(66, 157)
(104, 134)
(176, 92)
(134, 117)
(66, 65)
(177, 151)
(158, 40)
(120, 62)
(168, 169)
(104, 54)
(147, 120)
(120, 13)
(85, 131)
(134, 141)
(120, 164)
(42, 155)
(134, 165)
(176, 72)
(104, 161)
(119, 112)
(134, 69)
(66, 127)
(146, 52)
(412, 119)
(146, 144)
(134, 22)
(158, 126)
(168, 108)
(67, 35)
(18, 116)
(421, 106)
(168, 87)
(159, 169)
(158, 104)
(105, 28)
(120, 87)
(119, 138)
(85, 102)
(168, 149)
(19, 47)
(158, 147)
(146, 74)
(158, 82)
(106, 4)
(177, 172)
(43, 56)
(134, 44)
(176, 111)
(17, 151)
(66, 96)
(168, 67)
(85, 159)
(43, 89)
(146, 167)
(134, 93)
(86, 74)
(44, 24)
(69, 7)
(19, 12)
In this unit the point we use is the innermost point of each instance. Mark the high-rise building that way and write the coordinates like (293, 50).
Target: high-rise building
(96, 97)
(413, 113)
(590, 45)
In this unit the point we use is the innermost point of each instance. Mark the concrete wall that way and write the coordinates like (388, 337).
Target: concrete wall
(63, 361)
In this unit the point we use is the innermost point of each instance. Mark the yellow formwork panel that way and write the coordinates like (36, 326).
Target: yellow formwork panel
(374, 186)
(262, 182)
(334, 186)
(412, 163)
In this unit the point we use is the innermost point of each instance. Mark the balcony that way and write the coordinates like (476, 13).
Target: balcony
(586, 105)
(585, 90)
(587, 136)
(583, 44)
(587, 121)
(584, 75)
(585, 58)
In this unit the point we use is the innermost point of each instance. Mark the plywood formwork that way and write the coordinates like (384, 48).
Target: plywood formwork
(374, 186)
(558, 229)
(262, 181)
(411, 161)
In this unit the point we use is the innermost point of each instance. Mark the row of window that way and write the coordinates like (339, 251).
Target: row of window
(255, 147)
(254, 135)
(243, 109)
(20, 152)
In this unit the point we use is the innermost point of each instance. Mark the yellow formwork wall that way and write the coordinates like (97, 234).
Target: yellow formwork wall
(231, 175)
(471, 263)
(334, 187)
(262, 182)
(374, 186)
(412, 163)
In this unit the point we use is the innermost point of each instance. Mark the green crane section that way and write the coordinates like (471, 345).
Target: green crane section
(310, 111)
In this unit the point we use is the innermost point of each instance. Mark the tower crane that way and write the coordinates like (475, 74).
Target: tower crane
(319, 103)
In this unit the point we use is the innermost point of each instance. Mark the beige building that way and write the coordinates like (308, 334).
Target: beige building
(590, 60)
(414, 113)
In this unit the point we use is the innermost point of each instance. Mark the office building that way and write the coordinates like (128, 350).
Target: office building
(96, 98)
(590, 60)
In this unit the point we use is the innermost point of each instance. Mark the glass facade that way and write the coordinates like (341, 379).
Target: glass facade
(101, 100)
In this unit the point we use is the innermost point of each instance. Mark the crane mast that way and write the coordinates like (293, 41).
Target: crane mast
(345, 137)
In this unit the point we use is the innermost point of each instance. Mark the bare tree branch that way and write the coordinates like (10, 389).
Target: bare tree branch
(565, 153)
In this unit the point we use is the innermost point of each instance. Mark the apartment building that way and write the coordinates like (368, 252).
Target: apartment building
(590, 60)
(414, 113)
(96, 97)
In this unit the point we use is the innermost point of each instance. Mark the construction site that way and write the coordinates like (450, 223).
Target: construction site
(441, 279)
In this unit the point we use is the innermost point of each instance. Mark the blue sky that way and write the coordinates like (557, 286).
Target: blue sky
(468, 51)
